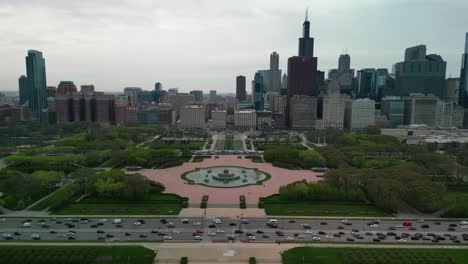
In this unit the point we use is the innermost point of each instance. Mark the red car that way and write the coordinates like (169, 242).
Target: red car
(279, 233)
(195, 234)
(407, 224)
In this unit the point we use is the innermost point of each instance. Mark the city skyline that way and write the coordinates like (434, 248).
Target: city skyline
(129, 63)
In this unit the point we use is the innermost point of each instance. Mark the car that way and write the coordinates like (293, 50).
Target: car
(109, 236)
(217, 221)
(7, 236)
(167, 238)
(195, 234)
(17, 233)
(345, 221)
(399, 226)
(141, 221)
(101, 238)
(212, 226)
(272, 222)
(402, 240)
(349, 239)
(463, 222)
(452, 229)
(127, 234)
(45, 226)
(290, 238)
(259, 231)
(100, 220)
(302, 236)
(100, 224)
(100, 232)
(425, 226)
(251, 238)
(71, 238)
(137, 223)
(279, 233)
(244, 221)
(435, 240)
(292, 221)
(117, 221)
(35, 236)
(376, 240)
(374, 225)
(265, 236)
(170, 225)
(232, 224)
(420, 221)
(237, 231)
(412, 228)
(369, 234)
(119, 226)
(323, 223)
(348, 223)
(163, 221)
(184, 221)
(93, 226)
(211, 234)
(69, 225)
(392, 228)
(26, 224)
(322, 233)
(143, 236)
(196, 223)
(316, 238)
(219, 231)
(391, 234)
(340, 227)
(198, 238)
(407, 224)
(453, 225)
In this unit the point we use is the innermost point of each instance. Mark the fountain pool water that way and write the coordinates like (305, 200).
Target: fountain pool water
(225, 176)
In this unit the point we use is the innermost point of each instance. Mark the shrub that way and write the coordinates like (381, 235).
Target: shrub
(183, 260)
(252, 260)
(243, 203)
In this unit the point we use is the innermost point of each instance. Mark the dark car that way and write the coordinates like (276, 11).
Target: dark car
(265, 236)
(340, 227)
(109, 236)
(143, 236)
(232, 224)
(323, 223)
(100, 232)
(127, 234)
(350, 239)
(425, 226)
(376, 240)
(211, 226)
(259, 231)
(237, 231)
(292, 221)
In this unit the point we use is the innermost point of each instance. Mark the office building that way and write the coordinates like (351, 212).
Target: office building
(284, 84)
(241, 92)
(393, 107)
(166, 115)
(259, 102)
(264, 120)
(23, 89)
(420, 73)
(306, 43)
(219, 119)
(359, 115)
(134, 93)
(37, 84)
(463, 90)
(451, 89)
(126, 115)
(173, 91)
(245, 120)
(66, 87)
(277, 103)
(213, 95)
(449, 114)
(87, 88)
(157, 91)
(180, 100)
(344, 64)
(420, 109)
(85, 107)
(333, 106)
(51, 91)
(198, 95)
(148, 116)
(303, 112)
(192, 117)
(275, 74)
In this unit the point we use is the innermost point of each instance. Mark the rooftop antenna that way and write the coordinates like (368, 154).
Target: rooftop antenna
(307, 14)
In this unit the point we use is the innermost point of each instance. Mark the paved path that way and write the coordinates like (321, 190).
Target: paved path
(171, 179)
(224, 212)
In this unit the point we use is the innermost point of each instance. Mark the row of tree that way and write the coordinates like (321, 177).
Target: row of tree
(318, 192)
(284, 156)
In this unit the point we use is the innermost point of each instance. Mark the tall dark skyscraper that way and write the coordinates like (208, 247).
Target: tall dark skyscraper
(302, 76)
(241, 93)
(463, 91)
(157, 91)
(37, 84)
(259, 102)
(23, 89)
(306, 43)
(344, 63)
(275, 74)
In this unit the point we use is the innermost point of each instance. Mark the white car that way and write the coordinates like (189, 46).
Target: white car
(290, 238)
(217, 221)
(251, 238)
(308, 232)
(115, 221)
(402, 240)
(329, 237)
(463, 223)
(196, 224)
(399, 226)
(167, 238)
(137, 223)
(220, 231)
(464, 226)
(27, 224)
(184, 221)
(211, 234)
(420, 221)
(35, 236)
(3, 220)
(374, 225)
(175, 231)
(7, 235)
(198, 237)
(316, 238)
(301, 236)
(345, 221)
(103, 220)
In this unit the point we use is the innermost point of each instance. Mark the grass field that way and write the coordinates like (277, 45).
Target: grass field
(322, 209)
(374, 256)
(76, 254)
(229, 142)
(154, 205)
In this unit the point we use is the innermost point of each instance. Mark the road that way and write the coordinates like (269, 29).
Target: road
(154, 230)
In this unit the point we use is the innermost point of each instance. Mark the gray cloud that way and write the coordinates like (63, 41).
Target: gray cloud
(204, 44)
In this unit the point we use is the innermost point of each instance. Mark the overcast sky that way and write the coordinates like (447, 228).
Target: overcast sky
(204, 44)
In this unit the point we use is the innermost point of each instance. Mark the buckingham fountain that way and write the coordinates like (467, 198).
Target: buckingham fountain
(225, 176)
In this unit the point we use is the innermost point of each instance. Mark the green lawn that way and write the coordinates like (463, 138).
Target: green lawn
(76, 254)
(156, 204)
(322, 209)
(229, 142)
(374, 255)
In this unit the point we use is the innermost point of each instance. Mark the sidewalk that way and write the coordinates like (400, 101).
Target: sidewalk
(223, 212)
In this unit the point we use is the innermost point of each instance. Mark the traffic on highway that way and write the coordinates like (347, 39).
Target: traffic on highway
(229, 229)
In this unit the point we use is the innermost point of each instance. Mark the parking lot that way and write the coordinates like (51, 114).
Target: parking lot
(225, 229)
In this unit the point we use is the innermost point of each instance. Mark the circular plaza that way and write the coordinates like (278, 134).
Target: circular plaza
(225, 177)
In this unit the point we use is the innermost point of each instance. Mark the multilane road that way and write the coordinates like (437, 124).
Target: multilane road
(225, 229)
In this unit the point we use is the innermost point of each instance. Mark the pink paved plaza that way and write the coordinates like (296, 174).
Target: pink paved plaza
(227, 196)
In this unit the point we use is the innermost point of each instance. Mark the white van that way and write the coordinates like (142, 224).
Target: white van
(272, 221)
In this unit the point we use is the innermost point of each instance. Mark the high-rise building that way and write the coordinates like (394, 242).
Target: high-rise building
(259, 103)
(463, 90)
(219, 119)
(192, 117)
(301, 76)
(333, 104)
(420, 73)
(306, 43)
(241, 93)
(449, 114)
(166, 115)
(420, 109)
(198, 95)
(245, 120)
(213, 95)
(180, 100)
(451, 89)
(134, 93)
(23, 89)
(393, 107)
(284, 83)
(85, 107)
(302, 112)
(157, 91)
(51, 91)
(148, 116)
(359, 115)
(66, 87)
(344, 64)
(37, 84)
(88, 88)
(173, 91)
(275, 74)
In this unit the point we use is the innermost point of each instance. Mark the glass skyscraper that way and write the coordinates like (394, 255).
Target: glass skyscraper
(37, 84)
